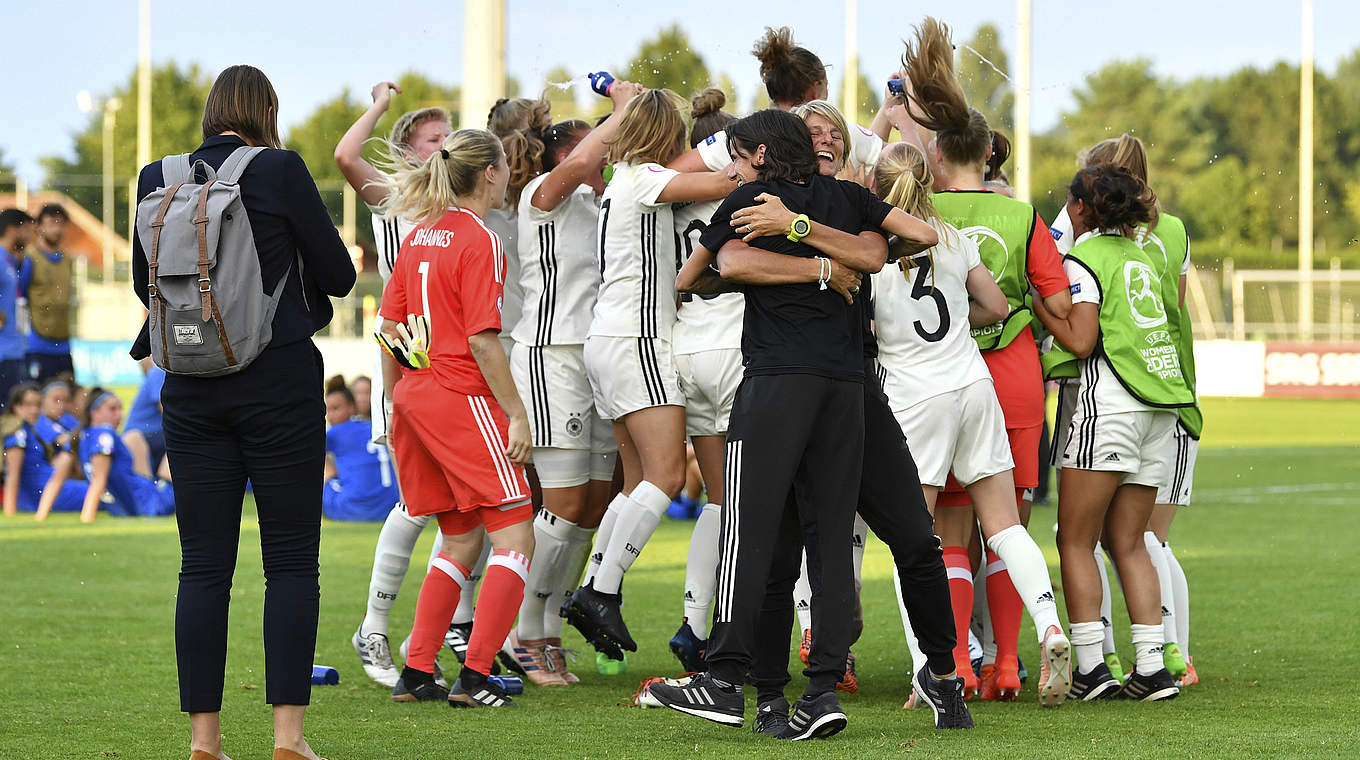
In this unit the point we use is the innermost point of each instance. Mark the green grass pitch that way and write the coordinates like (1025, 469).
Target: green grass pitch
(87, 666)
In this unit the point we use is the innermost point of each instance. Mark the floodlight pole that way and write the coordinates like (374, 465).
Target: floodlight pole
(850, 81)
(1022, 152)
(1306, 175)
(483, 60)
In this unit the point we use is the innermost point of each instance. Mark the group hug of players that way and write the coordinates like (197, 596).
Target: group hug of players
(853, 333)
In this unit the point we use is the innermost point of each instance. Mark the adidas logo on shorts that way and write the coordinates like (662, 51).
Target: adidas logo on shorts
(1111, 458)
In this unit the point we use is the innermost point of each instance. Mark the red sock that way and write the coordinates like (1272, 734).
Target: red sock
(502, 592)
(1003, 602)
(960, 572)
(434, 609)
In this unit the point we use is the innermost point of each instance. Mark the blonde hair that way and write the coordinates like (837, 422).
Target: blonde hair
(962, 133)
(902, 178)
(243, 101)
(407, 123)
(511, 114)
(423, 191)
(651, 129)
(832, 114)
(1124, 151)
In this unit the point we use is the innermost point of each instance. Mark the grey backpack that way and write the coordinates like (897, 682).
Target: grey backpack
(210, 315)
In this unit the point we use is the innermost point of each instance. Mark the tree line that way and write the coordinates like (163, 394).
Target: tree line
(1223, 149)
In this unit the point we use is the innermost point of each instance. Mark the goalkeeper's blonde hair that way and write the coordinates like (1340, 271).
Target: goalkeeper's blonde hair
(423, 190)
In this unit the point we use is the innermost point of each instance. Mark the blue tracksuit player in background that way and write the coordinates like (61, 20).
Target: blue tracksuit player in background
(360, 483)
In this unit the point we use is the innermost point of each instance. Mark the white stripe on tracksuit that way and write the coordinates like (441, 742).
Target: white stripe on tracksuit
(728, 542)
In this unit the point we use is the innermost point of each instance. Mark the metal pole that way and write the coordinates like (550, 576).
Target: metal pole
(850, 84)
(108, 191)
(483, 60)
(1306, 176)
(350, 212)
(143, 84)
(1022, 85)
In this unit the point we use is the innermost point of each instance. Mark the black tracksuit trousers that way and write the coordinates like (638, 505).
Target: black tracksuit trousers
(892, 505)
(799, 436)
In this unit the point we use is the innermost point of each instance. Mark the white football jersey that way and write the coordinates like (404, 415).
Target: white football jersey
(637, 255)
(863, 149)
(502, 222)
(921, 318)
(558, 271)
(704, 323)
(388, 232)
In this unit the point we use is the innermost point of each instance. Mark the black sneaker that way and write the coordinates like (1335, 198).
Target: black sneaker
(415, 686)
(457, 640)
(945, 696)
(689, 650)
(772, 718)
(702, 697)
(816, 718)
(1097, 684)
(1150, 688)
(597, 616)
(472, 689)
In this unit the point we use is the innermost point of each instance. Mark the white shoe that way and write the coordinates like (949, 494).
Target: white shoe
(1056, 674)
(376, 656)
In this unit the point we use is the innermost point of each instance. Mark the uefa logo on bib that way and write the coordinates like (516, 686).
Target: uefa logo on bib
(982, 234)
(1139, 284)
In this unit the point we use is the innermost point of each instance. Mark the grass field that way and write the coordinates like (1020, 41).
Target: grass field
(87, 666)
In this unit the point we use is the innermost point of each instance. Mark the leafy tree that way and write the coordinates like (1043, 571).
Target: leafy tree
(6, 168)
(176, 127)
(668, 61)
(867, 98)
(987, 90)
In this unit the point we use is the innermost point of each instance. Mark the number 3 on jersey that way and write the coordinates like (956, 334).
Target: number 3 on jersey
(919, 290)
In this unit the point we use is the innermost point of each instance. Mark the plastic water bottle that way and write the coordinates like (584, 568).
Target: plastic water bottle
(512, 685)
(324, 675)
(896, 88)
(601, 82)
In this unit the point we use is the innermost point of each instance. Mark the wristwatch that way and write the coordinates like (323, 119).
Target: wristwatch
(799, 228)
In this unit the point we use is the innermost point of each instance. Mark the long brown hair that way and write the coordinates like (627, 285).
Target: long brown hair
(651, 129)
(709, 118)
(1115, 199)
(960, 132)
(529, 153)
(1125, 151)
(787, 70)
(243, 101)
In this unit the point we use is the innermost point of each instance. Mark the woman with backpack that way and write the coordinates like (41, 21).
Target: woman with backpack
(229, 418)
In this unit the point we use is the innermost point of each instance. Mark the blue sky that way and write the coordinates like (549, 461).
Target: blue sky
(313, 48)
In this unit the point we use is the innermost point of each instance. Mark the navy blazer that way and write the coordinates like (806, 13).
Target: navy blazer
(288, 219)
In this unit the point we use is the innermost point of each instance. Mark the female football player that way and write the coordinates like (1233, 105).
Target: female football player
(108, 466)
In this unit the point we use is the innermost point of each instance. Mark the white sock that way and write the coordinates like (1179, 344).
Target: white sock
(802, 598)
(1029, 573)
(1106, 602)
(578, 551)
(1086, 638)
(1147, 648)
(981, 626)
(552, 535)
(391, 558)
(606, 531)
(635, 526)
(858, 539)
(701, 568)
(1158, 557)
(918, 658)
(1181, 589)
(467, 601)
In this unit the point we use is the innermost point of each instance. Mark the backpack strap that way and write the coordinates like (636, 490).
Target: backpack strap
(157, 306)
(210, 310)
(231, 170)
(176, 169)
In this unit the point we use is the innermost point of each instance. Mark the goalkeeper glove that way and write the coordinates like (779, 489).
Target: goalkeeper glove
(411, 349)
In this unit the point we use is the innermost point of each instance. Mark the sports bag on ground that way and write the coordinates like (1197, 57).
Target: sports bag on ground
(210, 315)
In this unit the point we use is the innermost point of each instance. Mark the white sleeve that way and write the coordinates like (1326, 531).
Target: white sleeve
(1185, 265)
(536, 215)
(1061, 230)
(1083, 286)
(649, 180)
(972, 255)
(713, 151)
(865, 146)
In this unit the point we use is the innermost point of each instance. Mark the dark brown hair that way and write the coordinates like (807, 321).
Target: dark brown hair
(1114, 199)
(788, 70)
(529, 153)
(1001, 150)
(960, 132)
(709, 118)
(243, 101)
(788, 145)
(510, 114)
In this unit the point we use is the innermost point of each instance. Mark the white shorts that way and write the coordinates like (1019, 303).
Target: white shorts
(629, 374)
(552, 383)
(709, 380)
(380, 406)
(1182, 455)
(1134, 443)
(962, 431)
(568, 468)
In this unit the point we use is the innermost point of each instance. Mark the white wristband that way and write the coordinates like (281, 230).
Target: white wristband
(824, 265)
